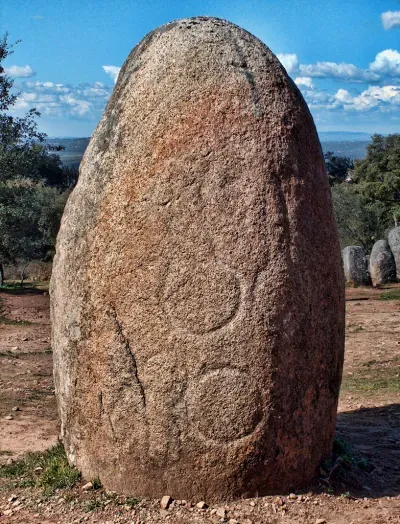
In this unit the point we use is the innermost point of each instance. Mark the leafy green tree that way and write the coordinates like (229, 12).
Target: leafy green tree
(337, 167)
(30, 209)
(360, 222)
(377, 177)
(30, 215)
(23, 149)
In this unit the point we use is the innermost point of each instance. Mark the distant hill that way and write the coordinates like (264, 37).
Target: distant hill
(343, 136)
(353, 149)
(341, 143)
(74, 149)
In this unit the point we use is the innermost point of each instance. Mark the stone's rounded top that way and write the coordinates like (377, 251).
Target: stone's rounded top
(381, 264)
(380, 245)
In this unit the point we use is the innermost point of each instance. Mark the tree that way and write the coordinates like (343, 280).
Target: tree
(24, 152)
(359, 221)
(30, 210)
(337, 167)
(30, 215)
(378, 175)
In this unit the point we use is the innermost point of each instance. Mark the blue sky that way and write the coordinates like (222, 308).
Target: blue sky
(344, 55)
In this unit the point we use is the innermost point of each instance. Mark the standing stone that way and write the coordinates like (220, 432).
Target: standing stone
(355, 265)
(197, 323)
(381, 264)
(394, 243)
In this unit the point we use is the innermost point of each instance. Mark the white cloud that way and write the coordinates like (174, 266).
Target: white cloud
(384, 98)
(20, 71)
(387, 63)
(304, 81)
(83, 101)
(289, 61)
(390, 19)
(343, 96)
(342, 71)
(112, 71)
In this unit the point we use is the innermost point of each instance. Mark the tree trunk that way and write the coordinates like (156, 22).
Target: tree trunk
(1, 275)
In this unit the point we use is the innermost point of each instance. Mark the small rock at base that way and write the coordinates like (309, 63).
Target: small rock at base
(292, 496)
(7, 512)
(221, 512)
(320, 521)
(87, 486)
(165, 501)
(201, 505)
(8, 417)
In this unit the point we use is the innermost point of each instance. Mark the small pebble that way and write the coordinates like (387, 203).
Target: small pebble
(165, 501)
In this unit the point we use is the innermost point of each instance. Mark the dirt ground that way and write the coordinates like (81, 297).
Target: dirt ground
(363, 489)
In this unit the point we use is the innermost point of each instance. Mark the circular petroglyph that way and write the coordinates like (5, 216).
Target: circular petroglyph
(224, 405)
(201, 298)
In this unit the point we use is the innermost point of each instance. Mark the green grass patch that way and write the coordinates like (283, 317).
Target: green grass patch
(37, 394)
(393, 294)
(10, 322)
(343, 450)
(373, 380)
(8, 354)
(354, 328)
(93, 505)
(132, 501)
(48, 470)
(13, 287)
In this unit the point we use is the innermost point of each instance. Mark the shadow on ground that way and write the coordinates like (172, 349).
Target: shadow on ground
(373, 434)
(18, 291)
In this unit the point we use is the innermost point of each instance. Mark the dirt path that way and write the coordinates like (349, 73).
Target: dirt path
(368, 427)
(26, 382)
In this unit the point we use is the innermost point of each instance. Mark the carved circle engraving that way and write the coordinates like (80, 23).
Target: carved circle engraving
(224, 405)
(202, 298)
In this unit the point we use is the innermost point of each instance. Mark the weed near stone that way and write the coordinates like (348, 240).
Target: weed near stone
(48, 470)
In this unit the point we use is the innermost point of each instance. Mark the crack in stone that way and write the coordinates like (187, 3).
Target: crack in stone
(126, 344)
(245, 71)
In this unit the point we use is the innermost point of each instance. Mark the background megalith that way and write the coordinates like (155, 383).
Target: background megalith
(355, 265)
(382, 267)
(197, 293)
(394, 243)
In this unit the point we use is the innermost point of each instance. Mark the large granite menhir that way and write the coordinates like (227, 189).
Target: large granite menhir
(197, 292)
(355, 265)
(382, 267)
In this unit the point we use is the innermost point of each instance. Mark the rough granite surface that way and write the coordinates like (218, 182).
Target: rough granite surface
(197, 292)
(382, 267)
(355, 265)
(394, 243)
